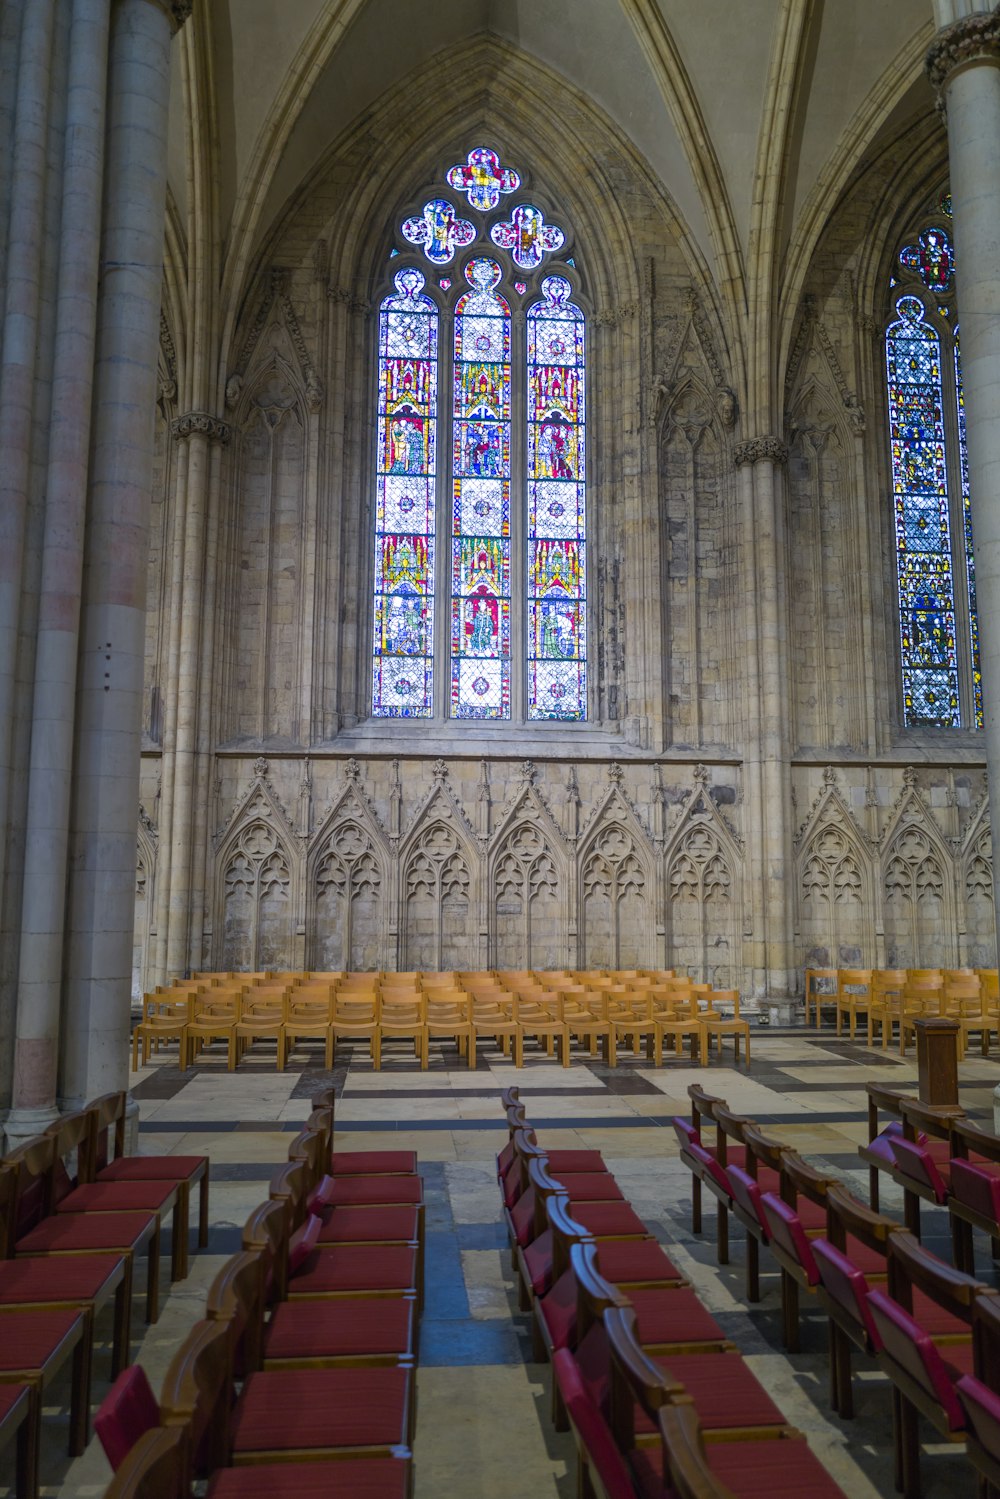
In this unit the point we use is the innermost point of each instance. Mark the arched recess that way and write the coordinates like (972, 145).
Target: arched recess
(529, 887)
(836, 915)
(616, 890)
(698, 556)
(347, 884)
(145, 904)
(268, 578)
(824, 561)
(918, 885)
(703, 868)
(976, 890)
(629, 241)
(440, 876)
(257, 887)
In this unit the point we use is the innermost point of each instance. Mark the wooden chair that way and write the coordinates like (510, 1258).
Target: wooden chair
(922, 996)
(586, 1015)
(355, 1017)
(493, 1016)
(785, 1468)
(679, 1017)
(707, 1160)
(308, 1014)
(213, 1018)
(158, 1467)
(854, 1003)
(543, 1018)
(814, 999)
(886, 999)
(165, 1018)
(404, 1018)
(714, 1023)
(450, 1017)
(630, 1013)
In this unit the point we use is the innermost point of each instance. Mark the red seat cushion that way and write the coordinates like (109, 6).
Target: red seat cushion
(673, 1316)
(78, 1277)
(725, 1392)
(374, 1163)
(29, 1338)
(593, 1186)
(10, 1394)
(399, 1225)
(345, 1329)
(634, 1261)
(344, 1268)
(358, 1478)
(934, 1319)
(66, 1232)
(812, 1215)
(609, 1220)
(559, 1311)
(127, 1412)
(117, 1197)
(367, 1191)
(152, 1168)
(575, 1161)
(869, 1261)
(284, 1409)
(784, 1469)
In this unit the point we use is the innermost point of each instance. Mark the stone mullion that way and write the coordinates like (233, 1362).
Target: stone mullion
(209, 713)
(692, 439)
(870, 626)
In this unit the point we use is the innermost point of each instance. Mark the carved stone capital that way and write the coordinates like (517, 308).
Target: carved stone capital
(972, 39)
(176, 11)
(760, 450)
(203, 423)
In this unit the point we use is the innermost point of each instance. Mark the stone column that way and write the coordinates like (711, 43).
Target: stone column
(25, 229)
(964, 66)
(53, 704)
(761, 462)
(110, 673)
(201, 430)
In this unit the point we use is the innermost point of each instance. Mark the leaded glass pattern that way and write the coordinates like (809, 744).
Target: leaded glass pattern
(970, 561)
(527, 236)
(403, 652)
(556, 532)
(932, 257)
(480, 567)
(922, 523)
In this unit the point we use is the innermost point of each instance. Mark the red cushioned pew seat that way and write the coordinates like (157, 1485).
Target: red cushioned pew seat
(784, 1469)
(373, 1163)
(364, 1331)
(352, 1478)
(34, 1346)
(318, 1410)
(83, 1280)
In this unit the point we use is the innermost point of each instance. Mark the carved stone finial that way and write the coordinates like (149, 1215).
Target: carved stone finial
(615, 773)
(829, 776)
(352, 770)
(527, 771)
(909, 776)
(439, 770)
(700, 774)
(969, 40)
(484, 781)
(260, 767)
(572, 786)
(760, 450)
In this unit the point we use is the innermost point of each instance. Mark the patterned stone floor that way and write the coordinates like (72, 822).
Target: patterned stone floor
(476, 1385)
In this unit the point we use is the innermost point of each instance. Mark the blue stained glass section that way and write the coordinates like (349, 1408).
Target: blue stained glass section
(923, 532)
(970, 560)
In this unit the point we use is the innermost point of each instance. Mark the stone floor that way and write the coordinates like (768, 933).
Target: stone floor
(480, 1399)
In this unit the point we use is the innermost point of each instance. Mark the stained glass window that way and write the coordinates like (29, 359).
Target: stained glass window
(480, 593)
(480, 568)
(405, 508)
(939, 633)
(556, 357)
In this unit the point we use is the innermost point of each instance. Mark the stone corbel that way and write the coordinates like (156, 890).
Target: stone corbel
(760, 450)
(203, 423)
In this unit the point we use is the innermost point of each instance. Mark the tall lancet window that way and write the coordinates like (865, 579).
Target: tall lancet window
(935, 571)
(480, 557)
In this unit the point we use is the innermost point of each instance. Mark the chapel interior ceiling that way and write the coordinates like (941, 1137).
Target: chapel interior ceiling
(689, 82)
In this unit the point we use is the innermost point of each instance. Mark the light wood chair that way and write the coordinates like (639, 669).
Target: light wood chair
(714, 1023)
(263, 1018)
(165, 1017)
(886, 1000)
(214, 1018)
(852, 1004)
(450, 1016)
(355, 1017)
(542, 1015)
(403, 1017)
(308, 1014)
(813, 998)
(493, 1016)
(679, 1017)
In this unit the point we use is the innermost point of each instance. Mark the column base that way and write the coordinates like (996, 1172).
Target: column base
(22, 1125)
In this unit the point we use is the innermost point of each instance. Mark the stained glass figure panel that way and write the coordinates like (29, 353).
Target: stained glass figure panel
(923, 531)
(970, 560)
(439, 231)
(403, 646)
(556, 550)
(932, 257)
(483, 179)
(480, 561)
(527, 236)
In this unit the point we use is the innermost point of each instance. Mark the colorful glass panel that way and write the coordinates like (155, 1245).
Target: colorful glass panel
(932, 257)
(483, 179)
(439, 231)
(480, 561)
(556, 539)
(923, 531)
(970, 561)
(403, 650)
(527, 236)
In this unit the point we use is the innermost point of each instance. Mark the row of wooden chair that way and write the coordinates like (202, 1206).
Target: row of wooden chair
(657, 1398)
(882, 1292)
(299, 1381)
(887, 998)
(75, 1214)
(597, 1013)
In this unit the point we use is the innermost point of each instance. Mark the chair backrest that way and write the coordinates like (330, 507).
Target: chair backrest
(355, 1007)
(685, 1466)
(267, 1229)
(544, 1186)
(594, 1294)
(565, 1232)
(762, 1150)
(635, 1379)
(291, 1184)
(198, 1393)
(158, 1467)
(74, 1137)
(311, 1148)
(34, 1162)
(237, 1295)
(967, 1135)
(804, 1179)
(603, 1474)
(108, 1109)
(910, 1264)
(326, 1098)
(845, 1214)
(127, 1412)
(854, 978)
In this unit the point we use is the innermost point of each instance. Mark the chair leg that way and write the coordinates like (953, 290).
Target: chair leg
(203, 1211)
(909, 1448)
(79, 1411)
(790, 1311)
(753, 1269)
(696, 1204)
(962, 1252)
(845, 1384)
(722, 1234)
(911, 1213)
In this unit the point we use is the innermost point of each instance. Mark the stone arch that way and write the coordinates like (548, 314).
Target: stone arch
(976, 892)
(702, 864)
(616, 891)
(528, 896)
(257, 884)
(437, 898)
(835, 909)
(918, 886)
(346, 872)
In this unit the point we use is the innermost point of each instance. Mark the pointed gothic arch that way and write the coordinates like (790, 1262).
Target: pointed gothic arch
(703, 892)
